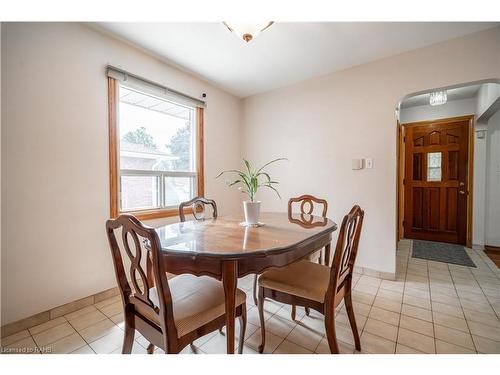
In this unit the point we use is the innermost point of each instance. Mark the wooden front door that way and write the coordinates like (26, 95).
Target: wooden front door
(436, 180)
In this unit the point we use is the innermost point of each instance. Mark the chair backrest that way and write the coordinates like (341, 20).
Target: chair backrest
(197, 206)
(141, 244)
(345, 252)
(307, 205)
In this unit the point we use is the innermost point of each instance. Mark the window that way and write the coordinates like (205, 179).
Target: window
(155, 149)
(434, 166)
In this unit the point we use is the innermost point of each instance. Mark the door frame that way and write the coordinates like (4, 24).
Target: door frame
(400, 153)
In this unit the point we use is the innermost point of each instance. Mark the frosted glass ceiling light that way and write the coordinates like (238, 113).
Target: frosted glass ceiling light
(438, 98)
(247, 31)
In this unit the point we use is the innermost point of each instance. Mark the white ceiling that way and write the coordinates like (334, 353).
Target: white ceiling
(283, 54)
(458, 93)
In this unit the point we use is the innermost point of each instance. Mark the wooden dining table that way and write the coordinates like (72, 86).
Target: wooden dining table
(224, 249)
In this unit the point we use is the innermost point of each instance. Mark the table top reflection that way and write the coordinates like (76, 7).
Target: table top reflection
(226, 236)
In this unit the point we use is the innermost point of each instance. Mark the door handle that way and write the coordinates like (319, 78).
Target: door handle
(462, 192)
(461, 184)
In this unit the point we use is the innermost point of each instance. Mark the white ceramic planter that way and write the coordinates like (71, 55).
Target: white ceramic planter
(252, 212)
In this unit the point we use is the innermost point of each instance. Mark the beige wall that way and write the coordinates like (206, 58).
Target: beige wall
(55, 158)
(323, 123)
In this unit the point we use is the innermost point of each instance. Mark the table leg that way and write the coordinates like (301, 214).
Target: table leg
(229, 280)
(327, 255)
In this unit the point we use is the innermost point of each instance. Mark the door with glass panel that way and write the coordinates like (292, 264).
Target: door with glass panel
(436, 180)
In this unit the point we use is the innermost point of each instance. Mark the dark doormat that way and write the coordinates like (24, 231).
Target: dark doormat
(442, 252)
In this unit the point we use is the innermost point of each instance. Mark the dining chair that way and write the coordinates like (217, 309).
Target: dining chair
(318, 286)
(169, 313)
(304, 200)
(197, 206)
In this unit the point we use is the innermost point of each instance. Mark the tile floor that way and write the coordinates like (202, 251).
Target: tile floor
(431, 308)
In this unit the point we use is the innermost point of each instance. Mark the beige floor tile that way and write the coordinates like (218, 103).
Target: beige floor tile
(288, 347)
(453, 336)
(395, 286)
(425, 294)
(360, 308)
(80, 312)
(479, 329)
(314, 322)
(403, 349)
(305, 337)
(218, 345)
(416, 340)
(272, 341)
(87, 320)
(84, 350)
(324, 348)
(417, 325)
(286, 310)
(98, 330)
(359, 296)
(107, 301)
(47, 325)
(385, 315)
(112, 309)
(450, 321)
(5, 341)
(53, 334)
(66, 345)
(253, 316)
(486, 346)
(424, 303)
(24, 346)
(389, 294)
(387, 304)
(342, 318)
(118, 319)
(376, 345)
(416, 312)
(108, 343)
(200, 341)
(447, 309)
(381, 329)
(443, 298)
(488, 319)
(443, 347)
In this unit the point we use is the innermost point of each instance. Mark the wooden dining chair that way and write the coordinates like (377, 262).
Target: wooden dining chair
(318, 286)
(172, 313)
(197, 206)
(303, 200)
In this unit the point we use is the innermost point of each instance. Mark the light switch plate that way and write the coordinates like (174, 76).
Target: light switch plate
(368, 163)
(357, 164)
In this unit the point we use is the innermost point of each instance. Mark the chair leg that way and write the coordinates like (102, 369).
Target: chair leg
(243, 327)
(261, 316)
(307, 310)
(255, 290)
(330, 332)
(220, 331)
(128, 337)
(352, 320)
(294, 312)
(150, 349)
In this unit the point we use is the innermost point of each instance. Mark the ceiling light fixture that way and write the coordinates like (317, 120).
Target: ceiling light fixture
(247, 31)
(438, 98)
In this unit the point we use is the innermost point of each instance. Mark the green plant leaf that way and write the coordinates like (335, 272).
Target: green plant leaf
(272, 161)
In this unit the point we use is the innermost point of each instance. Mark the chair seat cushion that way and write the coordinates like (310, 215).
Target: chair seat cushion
(196, 301)
(303, 279)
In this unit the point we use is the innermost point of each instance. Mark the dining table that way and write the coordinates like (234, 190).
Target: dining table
(226, 249)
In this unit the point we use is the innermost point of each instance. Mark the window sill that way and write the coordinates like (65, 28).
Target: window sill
(154, 214)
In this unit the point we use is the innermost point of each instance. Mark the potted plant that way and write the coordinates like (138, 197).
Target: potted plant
(250, 181)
